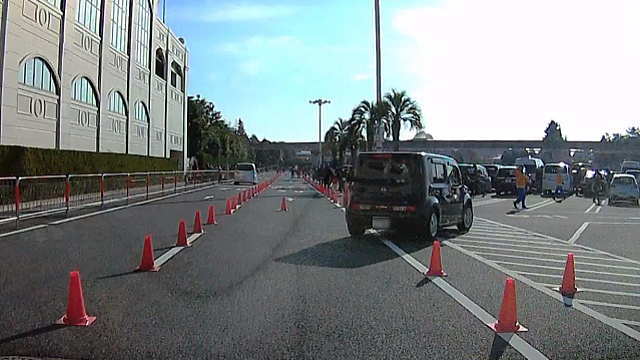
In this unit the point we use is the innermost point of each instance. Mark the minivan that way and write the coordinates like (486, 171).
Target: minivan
(246, 173)
(550, 174)
(409, 191)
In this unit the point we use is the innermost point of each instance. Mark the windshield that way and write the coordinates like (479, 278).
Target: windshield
(506, 172)
(245, 167)
(624, 181)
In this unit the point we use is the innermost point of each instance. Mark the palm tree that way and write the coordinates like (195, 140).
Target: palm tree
(402, 110)
(331, 141)
(368, 115)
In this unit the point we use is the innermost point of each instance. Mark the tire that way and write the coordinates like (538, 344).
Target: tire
(432, 225)
(467, 219)
(357, 225)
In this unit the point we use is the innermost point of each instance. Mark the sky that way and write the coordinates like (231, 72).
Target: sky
(490, 69)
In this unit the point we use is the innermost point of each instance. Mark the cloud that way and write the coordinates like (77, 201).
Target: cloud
(499, 69)
(235, 12)
(251, 67)
(362, 77)
(257, 44)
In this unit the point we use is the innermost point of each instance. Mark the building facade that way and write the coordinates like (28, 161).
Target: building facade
(92, 75)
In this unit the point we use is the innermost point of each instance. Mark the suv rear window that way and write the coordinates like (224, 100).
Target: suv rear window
(506, 172)
(388, 167)
(624, 181)
(554, 170)
(245, 167)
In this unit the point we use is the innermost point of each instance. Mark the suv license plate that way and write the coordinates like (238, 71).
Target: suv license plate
(381, 223)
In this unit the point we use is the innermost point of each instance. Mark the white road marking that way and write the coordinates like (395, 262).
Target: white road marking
(209, 197)
(609, 292)
(613, 223)
(506, 239)
(580, 279)
(506, 232)
(488, 202)
(628, 322)
(512, 339)
(578, 232)
(19, 231)
(560, 269)
(551, 293)
(590, 208)
(563, 255)
(519, 245)
(175, 250)
(557, 261)
(540, 205)
(598, 209)
(619, 306)
(512, 235)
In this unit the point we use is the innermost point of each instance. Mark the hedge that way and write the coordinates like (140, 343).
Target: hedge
(22, 161)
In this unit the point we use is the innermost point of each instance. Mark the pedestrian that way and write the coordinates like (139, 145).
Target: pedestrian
(521, 188)
(598, 187)
(559, 190)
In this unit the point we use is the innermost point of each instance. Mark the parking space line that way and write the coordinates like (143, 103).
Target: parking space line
(557, 261)
(628, 322)
(590, 208)
(580, 279)
(506, 239)
(599, 303)
(616, 324)
(599, 208)
(608, 292)
(539, 206)
(520, 246)
(506, 232)
(563, 255)
(512, 339)
(175, 250)
(578, 232)
(578, 271)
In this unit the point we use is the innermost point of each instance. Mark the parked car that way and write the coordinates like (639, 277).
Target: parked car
(551, 172)
(476, 178)
(492, 170)
(506, 180)
(635, 173)
(246, 173)
(410, 190)
(624, 188)
(630, 165)
(534, 168)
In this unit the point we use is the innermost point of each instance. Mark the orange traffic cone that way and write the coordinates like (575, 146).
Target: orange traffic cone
(76, 313)
(239, 199)
(568, 287)
(148, 260)
(283, 205)
(227, 210)
(508, 318)
(182, 234)
(435, 266)
(197, 223)
(211, 216)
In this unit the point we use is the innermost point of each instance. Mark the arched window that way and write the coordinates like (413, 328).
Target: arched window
(176, 76)
(83, 91)
(117, 104)
(140, 112)
(119, 22)
(35, 72)
(88, 14)
(143, 20)
(160, 64)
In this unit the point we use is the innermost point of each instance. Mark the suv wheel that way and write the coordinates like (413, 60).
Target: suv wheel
(432, 225)
(357, 224)
(467, 219)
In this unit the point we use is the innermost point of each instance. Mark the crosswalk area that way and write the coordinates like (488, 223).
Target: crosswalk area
(609, 284)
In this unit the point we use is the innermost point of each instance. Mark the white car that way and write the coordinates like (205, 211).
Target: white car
(624, 188)
(246, 173)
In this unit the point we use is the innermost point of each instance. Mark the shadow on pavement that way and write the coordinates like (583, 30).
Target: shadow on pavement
(132, 272)
(423, 282)
(349, 253)
(32, 333)
(497, 348)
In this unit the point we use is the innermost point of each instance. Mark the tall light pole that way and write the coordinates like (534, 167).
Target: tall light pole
(378, 134)
(320, 102)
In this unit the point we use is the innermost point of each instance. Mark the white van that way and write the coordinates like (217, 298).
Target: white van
(246, 173)
(549, 175)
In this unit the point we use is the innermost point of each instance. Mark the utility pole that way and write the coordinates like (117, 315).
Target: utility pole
(379, 130)
(320, 102)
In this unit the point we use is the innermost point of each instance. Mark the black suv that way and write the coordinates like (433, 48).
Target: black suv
(408, 189)
(506, 180)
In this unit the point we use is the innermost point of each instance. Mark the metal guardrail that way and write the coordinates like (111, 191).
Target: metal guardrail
(26, 197)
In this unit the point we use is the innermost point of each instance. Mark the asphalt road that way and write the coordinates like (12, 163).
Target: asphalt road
(266, 284)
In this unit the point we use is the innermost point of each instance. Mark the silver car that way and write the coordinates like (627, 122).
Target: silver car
(624, 188)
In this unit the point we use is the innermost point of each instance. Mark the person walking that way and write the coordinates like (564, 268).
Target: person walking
(599, 187)
(521, 188)
(559, 190)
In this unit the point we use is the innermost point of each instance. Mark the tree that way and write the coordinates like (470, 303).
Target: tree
(240, 129)
(553, 134)
(402, 111)
(368, 116)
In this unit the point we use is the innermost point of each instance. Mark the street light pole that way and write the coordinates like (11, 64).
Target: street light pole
(320, 102)
(378, 138)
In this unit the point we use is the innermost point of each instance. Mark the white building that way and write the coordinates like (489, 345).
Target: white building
(92, 75)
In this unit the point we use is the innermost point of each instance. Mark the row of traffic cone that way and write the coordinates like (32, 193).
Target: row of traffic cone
(76, 314)
(508, 316)
(329, 193)
(234, 202)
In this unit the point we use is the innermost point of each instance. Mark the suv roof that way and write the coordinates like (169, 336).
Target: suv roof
(416, 153)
